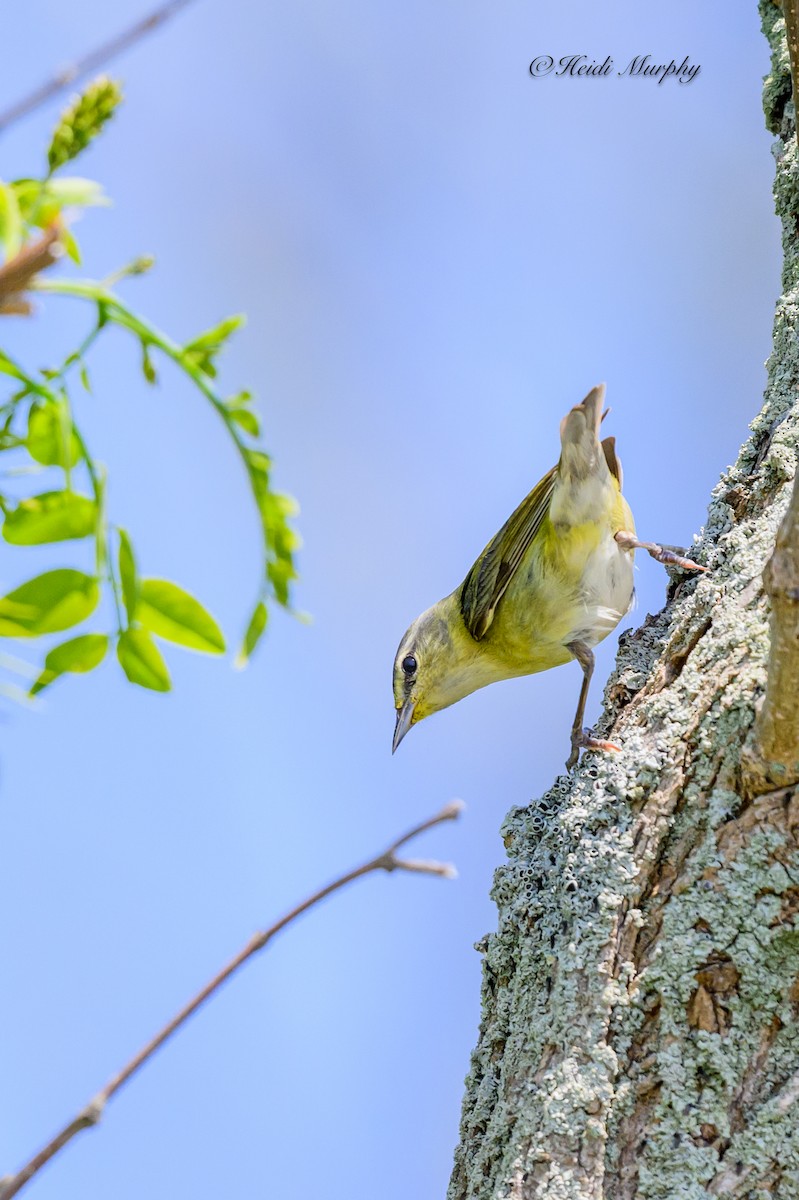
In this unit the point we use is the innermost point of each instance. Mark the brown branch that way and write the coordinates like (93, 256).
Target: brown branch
(90, 62)
(771, 760)
(17, 274)
(91, 1114)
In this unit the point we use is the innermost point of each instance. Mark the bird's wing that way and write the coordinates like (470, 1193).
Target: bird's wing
(485, 585)
(612, 459)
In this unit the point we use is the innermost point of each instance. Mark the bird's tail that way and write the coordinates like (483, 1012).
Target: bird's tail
(581, 454)
(583, 486)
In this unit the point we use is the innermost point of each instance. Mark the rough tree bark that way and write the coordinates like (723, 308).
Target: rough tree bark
(640, 1026)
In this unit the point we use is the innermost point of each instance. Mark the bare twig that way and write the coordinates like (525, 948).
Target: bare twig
(98, 57)
(771, 760)
(16, 275)
(91, 1114)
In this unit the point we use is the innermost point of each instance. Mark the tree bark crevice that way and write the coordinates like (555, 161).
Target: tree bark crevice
(640, 1004)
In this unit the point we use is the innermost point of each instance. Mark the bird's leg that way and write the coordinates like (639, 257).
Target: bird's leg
(662, 554)
(583, 739)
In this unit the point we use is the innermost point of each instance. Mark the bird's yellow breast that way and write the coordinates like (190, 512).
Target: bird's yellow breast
(574, 583)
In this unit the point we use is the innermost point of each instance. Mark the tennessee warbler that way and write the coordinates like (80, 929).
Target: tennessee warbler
(555, 581)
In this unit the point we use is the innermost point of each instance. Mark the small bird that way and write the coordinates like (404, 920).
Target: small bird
(555, 581)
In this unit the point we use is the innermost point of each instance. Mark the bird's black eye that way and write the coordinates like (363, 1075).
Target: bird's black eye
(409, 664)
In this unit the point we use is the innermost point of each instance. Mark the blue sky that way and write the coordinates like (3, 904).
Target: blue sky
(438, 255)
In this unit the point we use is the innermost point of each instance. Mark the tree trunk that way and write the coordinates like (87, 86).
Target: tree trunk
(640, 1025)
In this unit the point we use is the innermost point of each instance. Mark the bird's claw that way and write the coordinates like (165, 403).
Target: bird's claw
(668, 556)
(583, 739)
(670, 559)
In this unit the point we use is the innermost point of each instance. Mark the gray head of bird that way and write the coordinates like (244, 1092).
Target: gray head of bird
(437, 663)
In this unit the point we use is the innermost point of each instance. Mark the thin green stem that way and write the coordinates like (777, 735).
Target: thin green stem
(103, 564)
(67, 422)
(120, 314)
(11, 368)
(78, 355)
(66, 425)
(149, 335)
(116, 593)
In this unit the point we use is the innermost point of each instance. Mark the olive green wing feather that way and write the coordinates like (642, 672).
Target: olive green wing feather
(486, 583)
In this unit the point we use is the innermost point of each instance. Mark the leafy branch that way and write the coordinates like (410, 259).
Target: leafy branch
(37, 421)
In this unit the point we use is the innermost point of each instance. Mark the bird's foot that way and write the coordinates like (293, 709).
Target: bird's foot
(583, 739)
(670, 558)
(667, 555)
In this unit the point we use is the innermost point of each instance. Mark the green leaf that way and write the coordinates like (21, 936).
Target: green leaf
(128, 574)
(259, 462)
(247, 419)
(8, 439)
(202, 350)
(74, 192)
(254, 633)
(84, 377)
(141, 660)
(70, 243)
(49, 603)
(27, 193)
(280, 573)
(215, 337)
(50, 517)
(46, 436)
(276, 510)
(148, 370)
(10, 222)
(78, 655)
(9, 368)
(173, 614)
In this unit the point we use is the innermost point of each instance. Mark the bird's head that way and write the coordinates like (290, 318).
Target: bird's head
(435, 665)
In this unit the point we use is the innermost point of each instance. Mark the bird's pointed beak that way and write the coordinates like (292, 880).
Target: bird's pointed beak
(404, 722)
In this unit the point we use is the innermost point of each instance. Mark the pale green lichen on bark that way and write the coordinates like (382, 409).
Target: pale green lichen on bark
(640, 1025)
